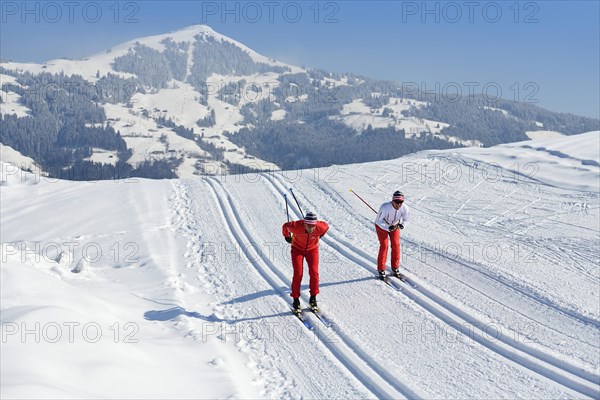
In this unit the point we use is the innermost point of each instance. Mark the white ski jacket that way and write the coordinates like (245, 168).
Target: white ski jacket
(388, 215)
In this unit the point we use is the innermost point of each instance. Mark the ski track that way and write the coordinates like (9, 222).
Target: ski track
(390, 346)
(481, 269)
(537, 320)
(215, 283)
(474, 267)
(546, 365)
(524, 240)
(378, 381)
(477, 268)
(274, 377)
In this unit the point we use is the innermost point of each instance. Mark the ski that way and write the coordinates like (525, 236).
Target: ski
(387, 281)
(326, 321)
(404, 279)
(300, 315)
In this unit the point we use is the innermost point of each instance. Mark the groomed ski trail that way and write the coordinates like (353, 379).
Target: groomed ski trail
(544, 365)
(375, 378)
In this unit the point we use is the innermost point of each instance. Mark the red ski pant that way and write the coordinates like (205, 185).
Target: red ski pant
(312, 259)
(384, 239)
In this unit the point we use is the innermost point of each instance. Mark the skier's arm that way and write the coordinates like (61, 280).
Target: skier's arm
(323, 228)
(405, 216)
(292, 227)
(380, 219)
(285, 230)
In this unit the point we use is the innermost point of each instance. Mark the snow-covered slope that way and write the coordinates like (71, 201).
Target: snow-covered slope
(102, 62)
(136, 115)
(10, 103)
(179, 288)
(178, 102)
(562, 161)
(10, 155)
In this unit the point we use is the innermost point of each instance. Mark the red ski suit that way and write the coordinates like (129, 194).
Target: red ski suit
(305, 245)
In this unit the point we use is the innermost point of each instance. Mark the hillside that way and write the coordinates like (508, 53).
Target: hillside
(194, 102)
(184, 290)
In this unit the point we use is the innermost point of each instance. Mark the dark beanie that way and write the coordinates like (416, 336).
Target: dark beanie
(310, 218)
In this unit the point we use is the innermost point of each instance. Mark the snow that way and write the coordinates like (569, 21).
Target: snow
(359, 116)
(178, 102)
(104, 156)
(101, 62)
(497, 109)
(11, 101)
(10, 155)
(543, 134)
(193, 275)
(569, 162)
(278, 115)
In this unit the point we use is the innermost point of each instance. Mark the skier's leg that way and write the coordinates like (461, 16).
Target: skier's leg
(297, 261)
(312, 259)
(395, 239)
(383, 248)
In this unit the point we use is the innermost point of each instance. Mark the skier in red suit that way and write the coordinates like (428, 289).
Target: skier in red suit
(304, 237)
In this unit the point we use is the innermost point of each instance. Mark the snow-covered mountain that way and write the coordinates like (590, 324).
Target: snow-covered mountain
(196, 102)
(180, 288)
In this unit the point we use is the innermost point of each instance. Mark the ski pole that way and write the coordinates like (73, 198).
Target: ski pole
(361, 199)
(287, 212)
(292, 191)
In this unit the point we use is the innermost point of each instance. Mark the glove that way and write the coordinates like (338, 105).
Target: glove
(392, 228)
(288, 239)
(400, 226)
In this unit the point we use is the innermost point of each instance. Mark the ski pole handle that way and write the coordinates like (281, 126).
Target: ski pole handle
(361, 199)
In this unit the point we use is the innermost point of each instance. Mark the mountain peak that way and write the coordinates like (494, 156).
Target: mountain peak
(101, 62)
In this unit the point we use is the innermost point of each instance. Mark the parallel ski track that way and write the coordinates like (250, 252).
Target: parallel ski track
(543, 364)
(479, 269)
(373, 376)
(536, 297)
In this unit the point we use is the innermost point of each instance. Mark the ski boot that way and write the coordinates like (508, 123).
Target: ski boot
(313, 303)
(396, 272)
(296, 306)
(382, 275)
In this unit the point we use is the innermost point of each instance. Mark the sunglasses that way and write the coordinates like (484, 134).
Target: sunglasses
(398, 201)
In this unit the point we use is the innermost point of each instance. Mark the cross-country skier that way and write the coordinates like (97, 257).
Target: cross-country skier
(391, 218)
(304, 237)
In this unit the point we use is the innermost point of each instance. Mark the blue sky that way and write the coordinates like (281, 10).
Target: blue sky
(546, 52)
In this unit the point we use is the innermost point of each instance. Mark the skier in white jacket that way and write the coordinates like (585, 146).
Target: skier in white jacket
(391, 218)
